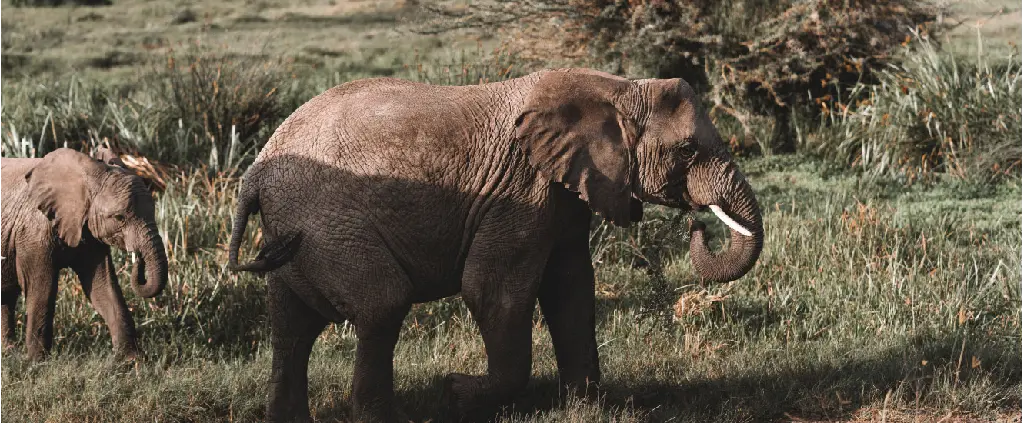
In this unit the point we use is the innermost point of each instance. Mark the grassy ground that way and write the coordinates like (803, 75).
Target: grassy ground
(873, 300)
(357, 37)
(995, 25)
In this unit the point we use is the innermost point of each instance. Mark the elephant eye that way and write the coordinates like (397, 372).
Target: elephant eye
(688, 148)
(119, 218)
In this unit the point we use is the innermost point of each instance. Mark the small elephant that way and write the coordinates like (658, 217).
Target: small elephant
(382, 193)
(66, 210)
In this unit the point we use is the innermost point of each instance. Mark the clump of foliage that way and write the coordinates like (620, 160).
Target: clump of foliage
(756, 60)
(226, 102)
(6, 35)
(932, 113)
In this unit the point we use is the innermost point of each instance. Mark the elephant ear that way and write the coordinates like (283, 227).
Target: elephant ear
(60, 187)
(573, 134)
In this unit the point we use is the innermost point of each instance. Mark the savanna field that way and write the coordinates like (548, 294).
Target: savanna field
(889, 288)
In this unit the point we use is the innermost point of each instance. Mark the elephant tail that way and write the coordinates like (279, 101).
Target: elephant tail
(275, 253)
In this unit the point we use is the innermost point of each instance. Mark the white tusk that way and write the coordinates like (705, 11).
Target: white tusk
(133, 257)
(729, 222)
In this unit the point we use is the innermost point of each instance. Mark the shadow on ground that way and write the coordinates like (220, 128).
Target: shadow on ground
(818, 391)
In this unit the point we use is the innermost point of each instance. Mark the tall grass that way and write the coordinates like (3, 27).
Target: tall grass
(37, 116)
(197, 106)
(222, 103)
(934, 113)
(55, 3)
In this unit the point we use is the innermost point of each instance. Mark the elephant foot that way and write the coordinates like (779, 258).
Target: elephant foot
(584, 389)
(128, 353)
(466, 397)
(36, 355)
(283, 418)
(377, 416)
(281, 412)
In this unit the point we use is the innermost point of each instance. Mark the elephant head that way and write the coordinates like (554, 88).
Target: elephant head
(85, 197)
(619, 142)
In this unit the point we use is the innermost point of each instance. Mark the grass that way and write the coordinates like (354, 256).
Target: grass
(870, 299)
(885, 292)
(113, 42)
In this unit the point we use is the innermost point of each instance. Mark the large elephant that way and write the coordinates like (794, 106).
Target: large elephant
(381, 193)
(66, 210)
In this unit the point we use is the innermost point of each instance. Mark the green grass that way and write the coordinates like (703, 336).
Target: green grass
(115, 41)
(870, 298)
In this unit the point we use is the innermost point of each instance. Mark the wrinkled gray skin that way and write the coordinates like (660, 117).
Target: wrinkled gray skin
(65, 210)
(382, 193)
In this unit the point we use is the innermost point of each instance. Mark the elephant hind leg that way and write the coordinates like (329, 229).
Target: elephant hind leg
(373, 388)
(294, 327)
(334, 278)
(380, 294)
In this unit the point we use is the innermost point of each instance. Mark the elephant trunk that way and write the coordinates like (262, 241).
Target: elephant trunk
(739, 205)
(149, 273)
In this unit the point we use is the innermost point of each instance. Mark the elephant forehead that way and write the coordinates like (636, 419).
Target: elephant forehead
(675, 124)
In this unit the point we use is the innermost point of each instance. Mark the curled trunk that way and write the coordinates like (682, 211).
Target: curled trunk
(741, 205)
(149, 272)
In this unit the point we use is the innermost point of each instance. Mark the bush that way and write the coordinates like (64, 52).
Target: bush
(212, 106)
(196, 106)
(933, 113)
(756, 60)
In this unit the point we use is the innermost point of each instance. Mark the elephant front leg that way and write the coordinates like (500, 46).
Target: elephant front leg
(7, 305)
(507, 333)
(294, 327)
(39, 279)
(567, 301)
(99, 282)
(499, 288)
